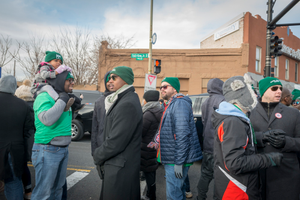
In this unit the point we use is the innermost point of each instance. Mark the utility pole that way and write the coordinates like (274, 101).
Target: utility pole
(150, 40)
(267, 70)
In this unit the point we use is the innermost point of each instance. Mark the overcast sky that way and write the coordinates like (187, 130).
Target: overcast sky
(179, 24)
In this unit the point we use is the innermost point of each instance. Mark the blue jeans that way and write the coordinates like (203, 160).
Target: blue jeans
(50, 164)
(187, 184)
(175, 186)
(13, 188)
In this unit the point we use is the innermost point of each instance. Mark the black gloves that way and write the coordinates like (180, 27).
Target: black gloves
(275, 158)
(100, 169)
(178, 171)
(64, 96)
(273, 132)
(277, 141)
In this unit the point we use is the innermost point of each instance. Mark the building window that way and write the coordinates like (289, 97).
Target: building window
(296, 72)
(276, 67)
(258, 59)
(287, 69)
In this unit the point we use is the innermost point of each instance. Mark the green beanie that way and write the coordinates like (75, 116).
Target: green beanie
(51, 55)
(125, 73)
(267, 82)
(173, 81)
(296, 94)
(69, 76)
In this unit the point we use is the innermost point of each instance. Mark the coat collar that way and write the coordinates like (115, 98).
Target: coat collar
(262, 112)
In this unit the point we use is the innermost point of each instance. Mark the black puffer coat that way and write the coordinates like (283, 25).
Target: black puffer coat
(151, 120)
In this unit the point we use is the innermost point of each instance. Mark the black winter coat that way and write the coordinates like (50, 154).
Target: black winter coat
(120, 153)
(28, 142)
(15, 124)
(279, 182)
(151, 121)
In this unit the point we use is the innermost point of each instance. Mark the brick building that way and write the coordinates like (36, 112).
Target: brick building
(236, 48)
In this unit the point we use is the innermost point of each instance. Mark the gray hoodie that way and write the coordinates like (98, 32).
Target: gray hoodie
(8, 84)
(214, 89)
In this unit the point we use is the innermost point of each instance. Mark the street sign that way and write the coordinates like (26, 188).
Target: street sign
(0, 71)
(139, 56)
(154, 38)
(150, 82)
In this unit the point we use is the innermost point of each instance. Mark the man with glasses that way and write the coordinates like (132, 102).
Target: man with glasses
(178, 146)
(277, 129)
(52, 138)
(286, 97)
(118, 158)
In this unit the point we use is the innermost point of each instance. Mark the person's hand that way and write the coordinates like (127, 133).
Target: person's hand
(63, 68)
(275, 158)
(81, 96)
(178, 171)
(64, 96)
(277, 141)
(273, 132)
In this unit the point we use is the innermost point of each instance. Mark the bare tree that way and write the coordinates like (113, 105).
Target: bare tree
(6, 52)
(31, 55)
(118, 42)
(75, 46)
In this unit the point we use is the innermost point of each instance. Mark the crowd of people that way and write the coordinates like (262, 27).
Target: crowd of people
(251, 138)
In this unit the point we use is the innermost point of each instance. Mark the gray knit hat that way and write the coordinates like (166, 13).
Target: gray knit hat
(238, 90)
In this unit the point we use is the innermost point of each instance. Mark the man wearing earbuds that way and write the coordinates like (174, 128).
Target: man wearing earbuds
(277, 129)
(178, 144)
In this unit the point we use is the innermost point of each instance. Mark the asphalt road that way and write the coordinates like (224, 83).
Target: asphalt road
(85, 184)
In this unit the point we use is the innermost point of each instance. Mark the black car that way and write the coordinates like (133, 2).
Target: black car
(197, 101)
(83, 120)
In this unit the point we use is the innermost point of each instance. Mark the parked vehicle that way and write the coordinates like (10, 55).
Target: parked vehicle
(83, 120)
(197, 101)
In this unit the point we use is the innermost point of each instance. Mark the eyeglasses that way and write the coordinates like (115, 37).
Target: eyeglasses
(71, 80)
(113, 77)
(275, 88)
(164, 87)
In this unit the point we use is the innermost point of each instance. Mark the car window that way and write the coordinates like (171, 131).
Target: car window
(88, 97)
(197, 102)
(203, 99)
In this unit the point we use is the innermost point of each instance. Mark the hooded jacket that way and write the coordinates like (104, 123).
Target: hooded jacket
(98, 118)
(16, 123)
(151, 121)
(236, 163)
(179, 143)
(214, 89)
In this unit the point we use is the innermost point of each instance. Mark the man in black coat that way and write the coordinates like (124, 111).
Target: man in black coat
(99, 116)
(277, 129)
(16, 122)
(151, 119)
(118, 158)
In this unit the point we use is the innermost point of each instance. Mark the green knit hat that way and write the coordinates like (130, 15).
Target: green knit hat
(173, 81)
(125, 73)
(69, 76)
(296, 94)
(267, 82)
(51, 55)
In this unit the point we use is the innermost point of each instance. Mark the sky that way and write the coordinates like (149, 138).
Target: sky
(179, 24)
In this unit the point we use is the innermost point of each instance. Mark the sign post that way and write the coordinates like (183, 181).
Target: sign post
(150, 82)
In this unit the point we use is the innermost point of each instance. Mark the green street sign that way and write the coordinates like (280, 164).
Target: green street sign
(139, 56)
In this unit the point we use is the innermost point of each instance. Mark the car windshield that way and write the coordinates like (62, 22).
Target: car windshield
(197, 102)
(88, 97)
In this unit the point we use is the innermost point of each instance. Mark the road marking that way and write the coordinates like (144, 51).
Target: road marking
(75, 178)
(73, 169)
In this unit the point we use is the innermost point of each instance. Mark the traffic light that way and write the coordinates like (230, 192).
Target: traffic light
(157, 66)
(275, 46)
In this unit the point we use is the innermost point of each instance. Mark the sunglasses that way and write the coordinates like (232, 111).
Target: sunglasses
(296, 103)
(113, 77)
(164, 87)
(71, 80)
(275, 88)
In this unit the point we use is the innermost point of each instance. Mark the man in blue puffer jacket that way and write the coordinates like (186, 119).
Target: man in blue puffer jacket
(179, 146)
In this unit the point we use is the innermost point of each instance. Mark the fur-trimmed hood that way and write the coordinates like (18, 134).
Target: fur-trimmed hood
(23, 92)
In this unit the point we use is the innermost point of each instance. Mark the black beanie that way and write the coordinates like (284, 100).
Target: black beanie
(151, 95)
